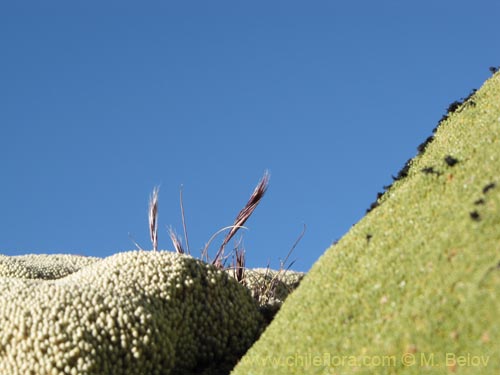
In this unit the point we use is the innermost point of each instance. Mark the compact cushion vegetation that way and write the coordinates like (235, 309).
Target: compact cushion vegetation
(414, 287)
(135, 312)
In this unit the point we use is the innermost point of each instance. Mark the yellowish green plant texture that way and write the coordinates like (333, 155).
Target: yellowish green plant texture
(414, 287)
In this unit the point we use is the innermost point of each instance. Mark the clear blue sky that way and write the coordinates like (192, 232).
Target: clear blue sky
(102, 100)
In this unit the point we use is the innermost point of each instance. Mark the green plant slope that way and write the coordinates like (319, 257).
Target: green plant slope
(413, 287)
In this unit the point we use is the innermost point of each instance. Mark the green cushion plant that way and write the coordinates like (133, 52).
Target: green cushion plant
(414, 287)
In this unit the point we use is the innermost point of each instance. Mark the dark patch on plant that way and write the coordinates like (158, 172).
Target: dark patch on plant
(474, 215)
(479, 202)
(453, 106)
(430, 170)
(403, 172)
(494, 69)
(369, 237)
(467, 101)
(268, 312)
(450, 160)
(456, 106)
(371, 208)
(489, 187)
(421, 147)
(376, 203)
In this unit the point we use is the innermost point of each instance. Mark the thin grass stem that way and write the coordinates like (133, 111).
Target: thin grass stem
(184, 222)
(204, 254)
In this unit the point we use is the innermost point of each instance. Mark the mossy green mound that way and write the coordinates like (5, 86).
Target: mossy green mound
(131, 313)
(414, 287)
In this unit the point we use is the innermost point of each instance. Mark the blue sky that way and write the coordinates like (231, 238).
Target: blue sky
(102, 100)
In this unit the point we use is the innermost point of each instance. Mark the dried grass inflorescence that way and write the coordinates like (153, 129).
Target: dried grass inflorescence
(268, 287)
(153, 217)
(244, 214)
(219, 259)
(176, 241)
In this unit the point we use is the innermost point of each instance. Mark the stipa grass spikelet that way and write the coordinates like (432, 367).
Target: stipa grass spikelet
(239, 264)
(268, 288)
(245, 213)
(153, 217)
(220, 259)
(204, 254)
(175, 241)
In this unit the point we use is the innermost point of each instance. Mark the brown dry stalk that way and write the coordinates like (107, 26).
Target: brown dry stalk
(239, 267)
(153, 217)
(283, 262)
(204, 253)
(175, 241)
(245, 213)
(184, 222)
(135, 242)
(267, 291)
